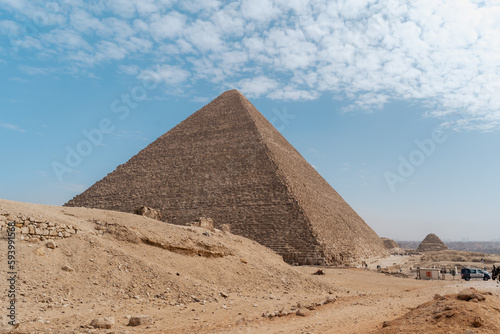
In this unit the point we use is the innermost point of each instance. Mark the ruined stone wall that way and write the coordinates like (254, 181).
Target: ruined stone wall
(34, 229)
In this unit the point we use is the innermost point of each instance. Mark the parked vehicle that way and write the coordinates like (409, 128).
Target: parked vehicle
(468, 273)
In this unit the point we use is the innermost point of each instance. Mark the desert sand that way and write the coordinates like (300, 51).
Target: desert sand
(195, 280)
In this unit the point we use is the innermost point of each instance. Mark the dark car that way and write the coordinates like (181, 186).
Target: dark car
(468, 273)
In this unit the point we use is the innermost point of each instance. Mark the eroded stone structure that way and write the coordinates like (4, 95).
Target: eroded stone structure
(227, 162)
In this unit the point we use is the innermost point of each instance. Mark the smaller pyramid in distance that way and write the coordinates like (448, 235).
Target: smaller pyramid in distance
(389, 243)
(431, 243)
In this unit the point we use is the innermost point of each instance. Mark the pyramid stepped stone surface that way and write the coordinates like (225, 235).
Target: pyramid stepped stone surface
(228, 163)
(389, 243)
(431, 243)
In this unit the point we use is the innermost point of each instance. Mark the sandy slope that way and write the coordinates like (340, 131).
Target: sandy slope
(190, 282)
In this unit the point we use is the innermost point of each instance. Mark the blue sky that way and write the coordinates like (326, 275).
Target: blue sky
(396, 104)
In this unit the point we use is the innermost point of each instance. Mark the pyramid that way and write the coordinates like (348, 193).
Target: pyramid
(228, 163)
(431, 243)
(389, 243)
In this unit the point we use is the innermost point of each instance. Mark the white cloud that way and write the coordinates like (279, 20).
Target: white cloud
(32, 70)
(9, 28)
(129, 69)
(204, 36)
(290, 93)
(167, 26)
(439, 53)
(11, 127)
(256, 87)
(259, 10)
(170, 75)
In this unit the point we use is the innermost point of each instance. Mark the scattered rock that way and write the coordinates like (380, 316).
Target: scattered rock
(67, 268)
(319, 272)
(437, 296)
(106, 322)
(302, 312)
(40, 251)
(478, 322)
(140, 320)
(330, 299)
(207, 223)
(224, 294)
(148, 212)
(471, 294)
(51, 245)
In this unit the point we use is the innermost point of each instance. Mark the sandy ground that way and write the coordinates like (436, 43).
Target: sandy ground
(190, 282)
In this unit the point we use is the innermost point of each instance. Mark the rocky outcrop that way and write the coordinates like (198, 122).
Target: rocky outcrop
(207, 223)
(431, 243)
(148, 212)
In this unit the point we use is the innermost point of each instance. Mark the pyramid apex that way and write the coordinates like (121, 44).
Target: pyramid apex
(232, 92)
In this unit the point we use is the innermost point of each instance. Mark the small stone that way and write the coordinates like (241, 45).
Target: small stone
(51, 245)
(469, 294)
(478, 322)
(437, 296)
(106, 322)
(67, 268)
(40, 251)
(140, 320)
(302, 312)
(330, 299)
(224, 294)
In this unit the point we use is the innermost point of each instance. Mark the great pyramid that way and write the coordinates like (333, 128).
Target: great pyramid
(431, 243)
(228, 163)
